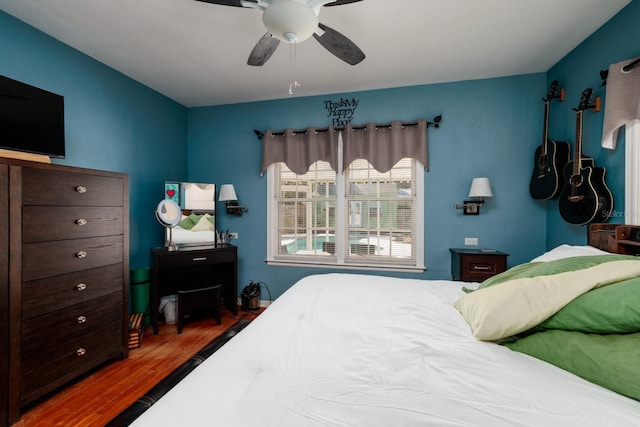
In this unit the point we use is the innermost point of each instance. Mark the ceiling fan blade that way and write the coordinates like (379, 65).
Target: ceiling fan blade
(339, 45)
(237, 3)
(263, 50)
(341, 2)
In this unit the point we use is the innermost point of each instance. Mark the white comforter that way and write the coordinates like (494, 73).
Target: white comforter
(361, 350)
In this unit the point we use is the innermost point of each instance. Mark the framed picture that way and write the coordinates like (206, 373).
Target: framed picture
(172, 191)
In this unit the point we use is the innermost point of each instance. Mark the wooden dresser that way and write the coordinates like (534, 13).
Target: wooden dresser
(193, 268)
(615, 238)
(65, 280)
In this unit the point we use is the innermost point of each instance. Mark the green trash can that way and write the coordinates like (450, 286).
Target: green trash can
(140, 292)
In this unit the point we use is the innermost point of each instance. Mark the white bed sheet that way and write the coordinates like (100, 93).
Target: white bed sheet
(361, 350)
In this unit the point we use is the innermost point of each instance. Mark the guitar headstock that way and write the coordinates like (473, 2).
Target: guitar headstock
(585, 100)
(552, 92)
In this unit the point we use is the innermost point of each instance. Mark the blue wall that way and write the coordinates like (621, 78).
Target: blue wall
(489, 128)
(616, 41)
(111, 122)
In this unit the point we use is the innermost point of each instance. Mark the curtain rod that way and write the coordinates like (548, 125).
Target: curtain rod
(627, 68)
(435, 124)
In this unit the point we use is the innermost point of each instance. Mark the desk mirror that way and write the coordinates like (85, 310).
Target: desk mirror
(197, 224)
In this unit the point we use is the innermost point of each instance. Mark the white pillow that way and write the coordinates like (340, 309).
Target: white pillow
(203, 224)
(568, 251)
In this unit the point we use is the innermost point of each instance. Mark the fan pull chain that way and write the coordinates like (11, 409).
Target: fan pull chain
(292, 64)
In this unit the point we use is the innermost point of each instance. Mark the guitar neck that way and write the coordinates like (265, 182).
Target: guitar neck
(545, 129)
(577, 159)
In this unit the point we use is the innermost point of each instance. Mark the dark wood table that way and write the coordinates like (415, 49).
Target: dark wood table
(193, 268)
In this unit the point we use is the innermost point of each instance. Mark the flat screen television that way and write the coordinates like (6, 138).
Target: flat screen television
(31, 119)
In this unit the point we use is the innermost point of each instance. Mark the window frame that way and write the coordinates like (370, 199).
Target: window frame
(632, 173)
(339, 261)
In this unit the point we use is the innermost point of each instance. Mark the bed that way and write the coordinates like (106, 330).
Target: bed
(366, 350)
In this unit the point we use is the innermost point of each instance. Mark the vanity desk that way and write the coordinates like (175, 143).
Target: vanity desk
(194, 268)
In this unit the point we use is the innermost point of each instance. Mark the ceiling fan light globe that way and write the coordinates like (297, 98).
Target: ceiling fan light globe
(288, 18)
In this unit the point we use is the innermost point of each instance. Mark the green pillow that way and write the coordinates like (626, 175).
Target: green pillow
(189, 222)
(612, 361)
(533, 269)
(519, 305)
(204, 224)
(609, 309)
(613, 309)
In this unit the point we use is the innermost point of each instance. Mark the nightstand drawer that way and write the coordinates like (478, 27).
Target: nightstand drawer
(480, 267)
(476, 265)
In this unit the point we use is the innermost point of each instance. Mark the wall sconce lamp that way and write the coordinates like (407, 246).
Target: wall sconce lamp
(480, 188)
(228, 194)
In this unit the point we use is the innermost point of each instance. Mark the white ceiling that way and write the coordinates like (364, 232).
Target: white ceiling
(196, 53)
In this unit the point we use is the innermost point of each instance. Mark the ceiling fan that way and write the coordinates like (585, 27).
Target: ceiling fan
(294, 21)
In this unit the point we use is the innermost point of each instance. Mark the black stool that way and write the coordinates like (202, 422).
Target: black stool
(199, 299)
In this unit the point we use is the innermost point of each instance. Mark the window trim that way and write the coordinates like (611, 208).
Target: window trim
(337, 261)
(632, 173)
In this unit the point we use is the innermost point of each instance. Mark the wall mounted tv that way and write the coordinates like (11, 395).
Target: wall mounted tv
(31, 119)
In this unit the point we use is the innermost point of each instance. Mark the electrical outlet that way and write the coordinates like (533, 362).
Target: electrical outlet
(233, 236)
(471, 241)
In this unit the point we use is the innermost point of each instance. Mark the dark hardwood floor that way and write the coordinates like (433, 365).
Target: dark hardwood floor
(102, 394)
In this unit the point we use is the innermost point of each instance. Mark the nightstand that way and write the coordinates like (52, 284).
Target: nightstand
(476, 265)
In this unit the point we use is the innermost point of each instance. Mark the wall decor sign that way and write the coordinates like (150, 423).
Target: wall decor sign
(172, 191)
(341, 112)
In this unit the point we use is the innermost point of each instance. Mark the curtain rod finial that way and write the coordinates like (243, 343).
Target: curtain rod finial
(436, 121)
(258, 133)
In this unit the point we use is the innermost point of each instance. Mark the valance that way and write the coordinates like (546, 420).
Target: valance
(300, 149)
(384, 145)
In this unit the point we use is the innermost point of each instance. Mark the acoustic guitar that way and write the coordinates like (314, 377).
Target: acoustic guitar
(585, 197)
(550, 157)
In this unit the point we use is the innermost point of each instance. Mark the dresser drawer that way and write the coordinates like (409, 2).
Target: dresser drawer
(43, 332)
(49, 187)
(65, 256)
(46, 223)
(53, 293)
(44, 371)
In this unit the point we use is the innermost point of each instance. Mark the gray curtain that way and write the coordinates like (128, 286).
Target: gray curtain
(384, 145)
(300, 149)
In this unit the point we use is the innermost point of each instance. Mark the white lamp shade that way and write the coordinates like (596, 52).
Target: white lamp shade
(480, 187)
(290, 20)
(227, 192)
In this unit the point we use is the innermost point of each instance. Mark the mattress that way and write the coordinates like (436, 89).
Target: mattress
(366, 350)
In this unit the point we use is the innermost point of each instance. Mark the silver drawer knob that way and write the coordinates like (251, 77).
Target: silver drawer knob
(81, 221)
(81, 254)
(81, 286)
(82, 319)
(81, 351)
(81, 189)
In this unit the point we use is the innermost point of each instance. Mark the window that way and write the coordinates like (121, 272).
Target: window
(632, 175)
(358, 219)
